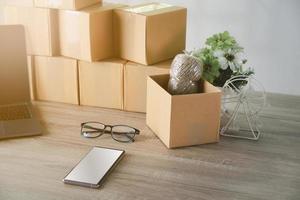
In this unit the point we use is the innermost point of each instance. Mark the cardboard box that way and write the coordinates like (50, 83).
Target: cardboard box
(65, 4)
(29, 3)
(183, 120)
(56, 79)
(135, 83)
(87, 34)
(150, 33)
(40, 28)
(101, 83)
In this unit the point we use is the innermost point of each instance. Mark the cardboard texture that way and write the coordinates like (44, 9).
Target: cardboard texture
(135, 83)
(87, 34)
(29, 3)
(101, 83)
(40, 28)
(65, 4)
(150, 33)
(183, 120)
(56, 79)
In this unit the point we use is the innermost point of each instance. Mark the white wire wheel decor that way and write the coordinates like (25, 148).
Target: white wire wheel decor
(243, 99)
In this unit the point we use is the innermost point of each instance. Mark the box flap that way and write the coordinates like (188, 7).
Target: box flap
(79, 4)
(27, 3)
(65, 4)
(101, 7)
(152, 9)
(159, 108)
(162, 81)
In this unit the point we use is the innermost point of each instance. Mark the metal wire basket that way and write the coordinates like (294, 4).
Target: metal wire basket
(243, 99)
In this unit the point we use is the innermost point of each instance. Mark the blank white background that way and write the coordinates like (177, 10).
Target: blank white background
(268, 29)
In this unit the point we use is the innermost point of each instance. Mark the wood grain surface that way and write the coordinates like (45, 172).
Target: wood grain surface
(33, 168)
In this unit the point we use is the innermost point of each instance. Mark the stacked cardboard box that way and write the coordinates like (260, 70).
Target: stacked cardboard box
(97, 54)
(101, 83)
(150, 33)
(89, 53)
(135, 83)
(40, 27)
(87, 34)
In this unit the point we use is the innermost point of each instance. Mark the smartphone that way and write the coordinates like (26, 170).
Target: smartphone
(94, 167)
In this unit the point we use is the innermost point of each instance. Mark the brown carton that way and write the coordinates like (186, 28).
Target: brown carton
(65, 4)
(101, 83)
(40, 27)
(150, 33)
(56, 79)
(87, 34)
(183, 120)
(29, 3)
(135, 83)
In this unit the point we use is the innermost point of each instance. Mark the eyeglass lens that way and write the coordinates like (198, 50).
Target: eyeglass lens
(92, 130)
(123, 133)
(120, 133)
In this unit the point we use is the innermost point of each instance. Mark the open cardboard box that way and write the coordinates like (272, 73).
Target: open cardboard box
(183, 120)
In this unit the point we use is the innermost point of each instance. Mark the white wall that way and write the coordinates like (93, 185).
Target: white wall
(268, 29)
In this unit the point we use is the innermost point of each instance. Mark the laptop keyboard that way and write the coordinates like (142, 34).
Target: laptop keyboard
(14, 112)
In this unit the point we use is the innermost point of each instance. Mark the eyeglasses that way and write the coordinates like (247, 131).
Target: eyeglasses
(120, 133)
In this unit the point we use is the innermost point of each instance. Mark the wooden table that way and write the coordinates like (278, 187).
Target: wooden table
(33, 168)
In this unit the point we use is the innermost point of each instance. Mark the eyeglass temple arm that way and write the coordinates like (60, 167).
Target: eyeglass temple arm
(106, 131)
(109, 132)
(97, 130)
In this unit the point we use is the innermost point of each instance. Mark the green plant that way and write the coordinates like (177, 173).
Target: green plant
(222, 58)
(221, 41)
(210, 64)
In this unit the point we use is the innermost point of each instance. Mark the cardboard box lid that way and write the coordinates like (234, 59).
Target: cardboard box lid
(65, 4)
(150, 9)
(29, 3)
(161, 65)
(100, 8)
